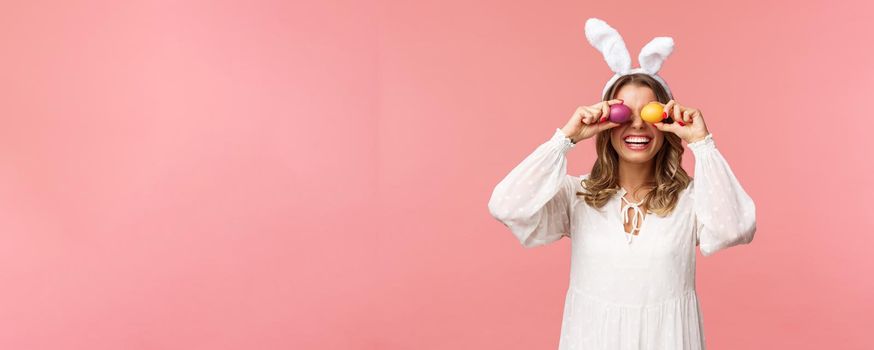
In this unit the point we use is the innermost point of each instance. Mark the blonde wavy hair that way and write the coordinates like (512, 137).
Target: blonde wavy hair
(670, 177)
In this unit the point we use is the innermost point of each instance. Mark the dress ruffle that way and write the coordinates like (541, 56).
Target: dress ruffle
(593, 323)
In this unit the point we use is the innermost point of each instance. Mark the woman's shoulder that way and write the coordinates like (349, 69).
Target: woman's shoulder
(577, 182)
(580, 177)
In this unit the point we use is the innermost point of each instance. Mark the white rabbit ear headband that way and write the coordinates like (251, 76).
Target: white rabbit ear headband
(608, 41)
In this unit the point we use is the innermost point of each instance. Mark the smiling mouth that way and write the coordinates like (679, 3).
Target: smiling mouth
(637, 143)
(637, 140)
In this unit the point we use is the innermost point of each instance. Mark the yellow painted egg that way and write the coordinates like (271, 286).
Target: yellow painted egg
(653, 112)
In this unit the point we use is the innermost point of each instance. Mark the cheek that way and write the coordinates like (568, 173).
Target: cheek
(616, 136)
(660, 142)
(617, 143)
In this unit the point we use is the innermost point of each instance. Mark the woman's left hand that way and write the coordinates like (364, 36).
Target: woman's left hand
(688, 122)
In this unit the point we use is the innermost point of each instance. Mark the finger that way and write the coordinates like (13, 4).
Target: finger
(682, 107)
(696, 115)
(687, 116)
(670, 105)
(607, 125)
(580, 114)
(607, 103)
(605, 108)
(594, 111)
(675, 113)
(589, 117)
(667, 109)
(684, 111)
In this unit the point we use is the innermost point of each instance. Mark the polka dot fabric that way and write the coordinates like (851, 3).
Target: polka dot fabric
(638, 295)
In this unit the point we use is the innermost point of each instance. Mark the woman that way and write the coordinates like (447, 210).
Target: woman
(634, 220)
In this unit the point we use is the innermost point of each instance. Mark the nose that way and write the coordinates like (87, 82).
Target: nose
(637, 122)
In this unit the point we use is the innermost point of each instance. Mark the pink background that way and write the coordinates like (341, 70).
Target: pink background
(286, 175)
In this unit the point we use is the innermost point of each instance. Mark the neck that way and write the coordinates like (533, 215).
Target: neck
(632, 176)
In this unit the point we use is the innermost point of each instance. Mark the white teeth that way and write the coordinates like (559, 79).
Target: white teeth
(637, 139)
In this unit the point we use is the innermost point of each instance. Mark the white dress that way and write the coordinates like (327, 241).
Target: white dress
(626, 291)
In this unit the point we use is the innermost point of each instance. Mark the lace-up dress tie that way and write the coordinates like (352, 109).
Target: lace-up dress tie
(635, 221)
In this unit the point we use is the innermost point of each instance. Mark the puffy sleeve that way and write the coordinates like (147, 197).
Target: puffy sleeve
(724, 213)
(534, 199)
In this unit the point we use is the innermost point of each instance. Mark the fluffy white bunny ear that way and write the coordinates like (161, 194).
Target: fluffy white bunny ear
(655, 53)
(607, 40)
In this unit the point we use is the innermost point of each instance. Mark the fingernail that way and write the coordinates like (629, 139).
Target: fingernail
(602, 119)
(681, 123)
(664, 115)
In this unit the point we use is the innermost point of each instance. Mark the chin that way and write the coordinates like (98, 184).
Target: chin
(640, 159)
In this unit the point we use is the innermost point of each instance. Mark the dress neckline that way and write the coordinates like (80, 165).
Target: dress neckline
(622, 193)
(637, 219)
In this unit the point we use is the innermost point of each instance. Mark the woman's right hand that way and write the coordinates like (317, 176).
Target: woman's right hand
(588, 121)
